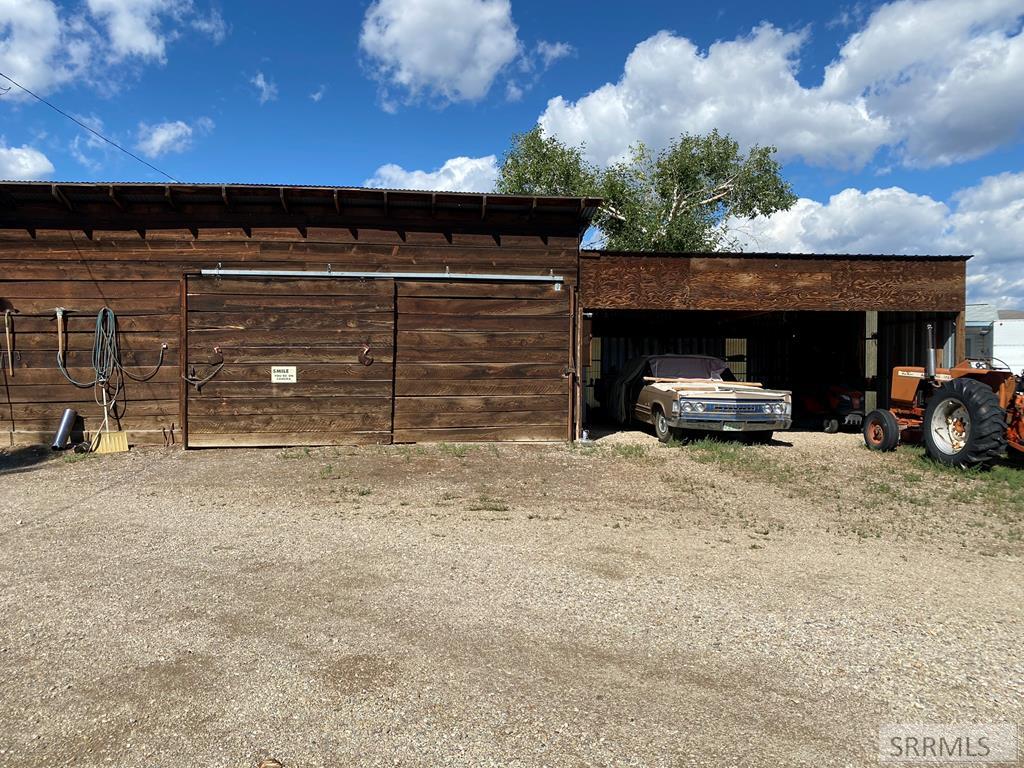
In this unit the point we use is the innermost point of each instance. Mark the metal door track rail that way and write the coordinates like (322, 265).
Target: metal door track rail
(549, 278)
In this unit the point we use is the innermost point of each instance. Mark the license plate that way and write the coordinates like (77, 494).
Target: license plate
(732, 426)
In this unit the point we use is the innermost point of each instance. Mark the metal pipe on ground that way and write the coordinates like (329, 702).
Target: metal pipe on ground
(67, 424)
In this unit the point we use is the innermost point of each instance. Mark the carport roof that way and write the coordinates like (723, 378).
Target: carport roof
(773, 255)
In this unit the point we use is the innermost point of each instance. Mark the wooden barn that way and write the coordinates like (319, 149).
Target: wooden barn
(256, 315)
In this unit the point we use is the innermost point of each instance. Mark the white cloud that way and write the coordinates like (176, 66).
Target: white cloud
(170, 137)
(459, 174)
(551, 52)
(84, 146)
(746, 87)
(937, 81)
(38, 48)
(267, 88)
(451, 50)
(948, 75)
(134, 27)
(986, 220)
(45, 46)
(23, 163)
(318, 94)
(212, 25)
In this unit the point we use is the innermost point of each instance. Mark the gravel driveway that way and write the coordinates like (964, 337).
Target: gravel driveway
(623, 604)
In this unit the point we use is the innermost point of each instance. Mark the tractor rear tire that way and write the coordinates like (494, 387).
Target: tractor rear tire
(964, 426)
(881, 431)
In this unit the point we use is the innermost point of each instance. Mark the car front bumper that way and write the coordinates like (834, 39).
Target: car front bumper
(730, 423)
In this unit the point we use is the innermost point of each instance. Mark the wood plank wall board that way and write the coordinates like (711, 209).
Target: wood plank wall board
(140, 277)
(346, 399)
(752, 283)
(479, 362)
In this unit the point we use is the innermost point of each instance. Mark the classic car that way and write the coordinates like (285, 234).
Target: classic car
(682, 396)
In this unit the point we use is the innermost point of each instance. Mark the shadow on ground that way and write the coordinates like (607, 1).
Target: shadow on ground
(16, 460)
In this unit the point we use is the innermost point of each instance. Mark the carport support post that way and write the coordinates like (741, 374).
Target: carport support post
(871, 360)
(960, 338)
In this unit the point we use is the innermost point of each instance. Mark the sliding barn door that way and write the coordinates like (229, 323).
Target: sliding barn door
(305, 362)
(482, 361)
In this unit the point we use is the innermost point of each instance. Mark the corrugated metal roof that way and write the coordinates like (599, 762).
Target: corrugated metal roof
(980, 314)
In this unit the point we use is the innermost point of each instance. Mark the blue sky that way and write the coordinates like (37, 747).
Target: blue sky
(899, 123)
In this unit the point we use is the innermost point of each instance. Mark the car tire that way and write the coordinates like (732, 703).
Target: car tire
(830, 426)
(881, 431)
(983, 437)
(662, 430)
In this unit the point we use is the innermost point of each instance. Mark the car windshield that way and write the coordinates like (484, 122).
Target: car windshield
(682, 367)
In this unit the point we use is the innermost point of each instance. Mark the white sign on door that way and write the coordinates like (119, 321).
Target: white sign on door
(283, 374)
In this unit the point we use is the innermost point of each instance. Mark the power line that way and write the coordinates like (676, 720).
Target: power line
(96, 133)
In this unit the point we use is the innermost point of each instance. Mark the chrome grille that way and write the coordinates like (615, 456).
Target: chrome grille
(742, 406)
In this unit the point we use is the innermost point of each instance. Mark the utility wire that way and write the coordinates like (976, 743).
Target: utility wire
(83, 125)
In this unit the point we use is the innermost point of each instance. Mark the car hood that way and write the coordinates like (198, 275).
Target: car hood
(720, 390)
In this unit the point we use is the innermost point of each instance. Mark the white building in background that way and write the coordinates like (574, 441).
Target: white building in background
(1008, 340)
(996, 335)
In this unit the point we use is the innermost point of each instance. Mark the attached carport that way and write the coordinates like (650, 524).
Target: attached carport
(796, 321)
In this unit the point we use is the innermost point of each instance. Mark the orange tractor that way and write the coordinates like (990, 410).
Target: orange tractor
(966, 416)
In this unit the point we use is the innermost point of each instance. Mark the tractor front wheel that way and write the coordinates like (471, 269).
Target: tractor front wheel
(881, 431)
(964, 426)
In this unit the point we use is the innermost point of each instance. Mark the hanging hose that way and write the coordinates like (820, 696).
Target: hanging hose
(106, 365)
(106, 354)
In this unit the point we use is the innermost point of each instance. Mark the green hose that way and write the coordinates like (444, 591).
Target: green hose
(106, 355)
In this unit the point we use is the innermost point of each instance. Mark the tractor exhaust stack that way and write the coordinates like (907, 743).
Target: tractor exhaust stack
(929, 363)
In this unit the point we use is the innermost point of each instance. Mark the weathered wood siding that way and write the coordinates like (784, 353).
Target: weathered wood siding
(339, 397)
(768, 282)
(140, 277)
(482, 361)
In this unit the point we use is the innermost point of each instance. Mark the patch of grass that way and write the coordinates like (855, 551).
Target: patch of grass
(303, 454)
(711, 451)
(453, 449)
(363, 492)
(631, 451)
(487, 504)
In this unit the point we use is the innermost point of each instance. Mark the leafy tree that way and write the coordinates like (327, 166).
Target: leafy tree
(684, 198)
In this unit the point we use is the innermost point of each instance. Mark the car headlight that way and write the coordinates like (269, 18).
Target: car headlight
(698, 407)
(767, 407)
(780, 408)
(687, 407)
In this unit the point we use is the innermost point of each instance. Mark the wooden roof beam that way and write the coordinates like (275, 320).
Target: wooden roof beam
(169, 198)
(60, 197)
(284, 203)
(483, 207)
(224, 196)
(113, 197)
(337, 202)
